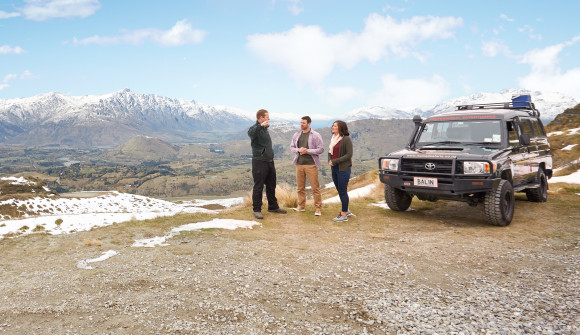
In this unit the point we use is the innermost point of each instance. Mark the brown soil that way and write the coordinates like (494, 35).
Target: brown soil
(297, 273)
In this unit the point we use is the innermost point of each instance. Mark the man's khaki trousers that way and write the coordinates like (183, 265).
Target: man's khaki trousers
(310, 172)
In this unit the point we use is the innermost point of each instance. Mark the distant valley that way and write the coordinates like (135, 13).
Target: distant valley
(168, 148)
(107, 121)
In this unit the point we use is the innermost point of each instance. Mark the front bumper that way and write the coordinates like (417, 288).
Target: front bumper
(453, 185)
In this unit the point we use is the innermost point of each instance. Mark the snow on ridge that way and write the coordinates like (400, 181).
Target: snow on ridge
(550, 104)
(58, 106)
(18, 181)
(572, 131)
(67, 215)
(569, 147)
(352, 194)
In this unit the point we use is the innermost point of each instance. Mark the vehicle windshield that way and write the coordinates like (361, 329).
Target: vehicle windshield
(465, 132)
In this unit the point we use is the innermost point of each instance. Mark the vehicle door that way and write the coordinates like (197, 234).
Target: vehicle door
(526, 166)
(542, 146)
(518, 154)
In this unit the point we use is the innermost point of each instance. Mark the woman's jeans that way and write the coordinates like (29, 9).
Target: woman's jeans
(340, 179)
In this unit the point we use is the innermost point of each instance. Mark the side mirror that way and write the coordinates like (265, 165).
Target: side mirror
(525, 139)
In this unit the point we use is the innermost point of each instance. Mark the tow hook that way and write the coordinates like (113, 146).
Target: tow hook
(472, 202)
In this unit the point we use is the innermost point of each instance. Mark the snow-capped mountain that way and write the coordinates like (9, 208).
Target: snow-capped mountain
(550, 104)
(112, 119)
(377, 112)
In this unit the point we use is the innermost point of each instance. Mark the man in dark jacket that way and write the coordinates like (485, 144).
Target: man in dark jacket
(263, 169)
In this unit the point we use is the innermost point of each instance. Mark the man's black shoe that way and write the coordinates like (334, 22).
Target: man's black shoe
(258, 215)
(277, 210)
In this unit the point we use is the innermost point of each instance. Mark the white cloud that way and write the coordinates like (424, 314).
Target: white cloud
(6, 15)
(6, 49)
(295, 7)
(527, 29)
(402, 93)
(494, 48)
(335, 96)
(309, 54)
(546, 73)
(505, 17)
(389, 8)
(42, 10)
(5, 83)
(181, 33)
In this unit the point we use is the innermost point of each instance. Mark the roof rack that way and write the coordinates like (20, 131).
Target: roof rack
(528, 107)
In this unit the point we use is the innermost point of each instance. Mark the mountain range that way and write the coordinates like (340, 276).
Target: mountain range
(55, 119)
(550, 104)
(112, 119)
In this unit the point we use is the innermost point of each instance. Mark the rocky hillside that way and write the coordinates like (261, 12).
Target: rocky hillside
(371, 138)
(112, 119)
(564, 136)
(144, 148)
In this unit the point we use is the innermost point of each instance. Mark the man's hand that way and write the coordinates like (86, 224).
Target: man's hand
(303, 151)
(265, 123)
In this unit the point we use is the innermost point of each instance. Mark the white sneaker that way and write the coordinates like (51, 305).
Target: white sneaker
(299, 209)
(340, 218)
(349, 213)
(317, 213)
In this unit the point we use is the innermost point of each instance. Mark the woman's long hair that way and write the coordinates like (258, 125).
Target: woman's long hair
(342, 128)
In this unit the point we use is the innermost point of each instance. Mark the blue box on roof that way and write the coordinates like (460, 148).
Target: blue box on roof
(521, 100)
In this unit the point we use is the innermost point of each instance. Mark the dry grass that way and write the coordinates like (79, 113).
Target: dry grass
(285, 193)
(92, 242)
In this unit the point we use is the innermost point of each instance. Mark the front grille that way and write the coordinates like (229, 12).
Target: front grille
(420, 165)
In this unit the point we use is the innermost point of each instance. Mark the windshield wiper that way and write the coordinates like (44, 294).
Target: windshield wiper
(481, 143)
(441, 142)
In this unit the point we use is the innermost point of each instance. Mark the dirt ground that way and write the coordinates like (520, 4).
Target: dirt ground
(439, 268)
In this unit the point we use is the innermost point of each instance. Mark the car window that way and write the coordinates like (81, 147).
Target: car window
(461, 131)
(538, 129)
(512, 135)
(526, 127)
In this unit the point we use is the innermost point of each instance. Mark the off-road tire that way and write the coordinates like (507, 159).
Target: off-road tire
(539, 194)
(397, 200)
(499, 204)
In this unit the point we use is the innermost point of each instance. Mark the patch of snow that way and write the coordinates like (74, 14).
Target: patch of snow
(572, 131)
(230, 202)
(213, 224)
(356, 193)
(567, 165)
(573, 178)
(569, 147)
(81, 214)
(383, 204)
(84, 264)
(18, 181)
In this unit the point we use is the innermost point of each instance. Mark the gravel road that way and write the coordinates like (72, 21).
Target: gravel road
(439, 269)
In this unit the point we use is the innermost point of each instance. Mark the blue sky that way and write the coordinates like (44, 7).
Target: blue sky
(314, 57)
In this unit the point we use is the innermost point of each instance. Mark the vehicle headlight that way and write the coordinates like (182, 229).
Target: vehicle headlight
(391, 164)
(476, 168)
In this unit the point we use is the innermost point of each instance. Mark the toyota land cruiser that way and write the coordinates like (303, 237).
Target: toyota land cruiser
(477, 153)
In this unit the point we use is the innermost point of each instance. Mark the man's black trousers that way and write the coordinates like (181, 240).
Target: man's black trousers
(264, 173)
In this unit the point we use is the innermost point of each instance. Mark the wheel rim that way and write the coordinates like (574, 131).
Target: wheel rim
(544, 187)
(507, 204)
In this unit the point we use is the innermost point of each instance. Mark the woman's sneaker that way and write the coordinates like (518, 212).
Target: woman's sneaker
(349, 213)
(340, 218)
